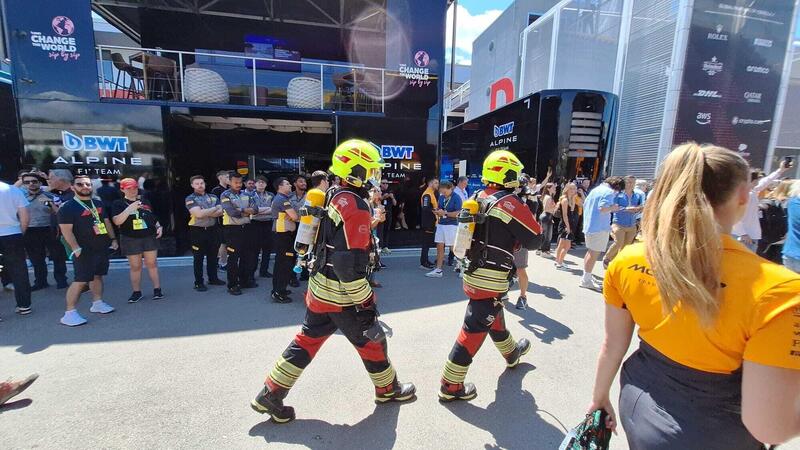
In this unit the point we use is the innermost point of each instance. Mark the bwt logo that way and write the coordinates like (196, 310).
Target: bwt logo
(397, 151)
(502, 130)
(109, 144)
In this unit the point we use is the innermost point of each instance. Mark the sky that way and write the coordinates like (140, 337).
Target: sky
(474, 16)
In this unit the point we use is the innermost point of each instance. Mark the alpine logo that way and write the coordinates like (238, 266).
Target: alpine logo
(703, 118)
(758, 69)
(712, 67)
(719, 35)
(707, 94)
(752, 97)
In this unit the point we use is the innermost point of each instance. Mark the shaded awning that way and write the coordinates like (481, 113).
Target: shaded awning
(358, 15)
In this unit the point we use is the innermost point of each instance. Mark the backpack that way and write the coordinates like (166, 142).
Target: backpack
(774, 223)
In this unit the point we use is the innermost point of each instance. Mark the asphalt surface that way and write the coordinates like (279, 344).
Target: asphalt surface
(180, 372)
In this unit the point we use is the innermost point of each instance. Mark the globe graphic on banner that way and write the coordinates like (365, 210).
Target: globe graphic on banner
(63, 25)
(422, 59)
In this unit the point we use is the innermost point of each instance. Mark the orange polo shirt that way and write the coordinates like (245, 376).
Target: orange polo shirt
(759, 318)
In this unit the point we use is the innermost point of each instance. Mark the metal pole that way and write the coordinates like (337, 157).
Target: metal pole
(383, 90)
(321, 87)
(102, 73)
(255, 87)
(453, 45)
(180, 74)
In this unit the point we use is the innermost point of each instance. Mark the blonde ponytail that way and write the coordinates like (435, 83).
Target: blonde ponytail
(683, 240)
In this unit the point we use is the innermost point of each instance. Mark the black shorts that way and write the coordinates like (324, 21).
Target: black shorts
(91, 263)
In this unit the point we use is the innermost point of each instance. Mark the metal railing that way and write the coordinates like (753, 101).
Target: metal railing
(135, 73)
(457, 97)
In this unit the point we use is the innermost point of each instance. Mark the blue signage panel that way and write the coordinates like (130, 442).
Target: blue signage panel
(51, 45)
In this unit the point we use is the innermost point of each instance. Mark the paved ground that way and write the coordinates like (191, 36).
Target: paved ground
(180, 372)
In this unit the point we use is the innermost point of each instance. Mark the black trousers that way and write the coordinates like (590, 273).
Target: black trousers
(317, 328)
(205, 244)
(239, 242)
(284, 260)
(263, 243)
(12, 248)
(427, 243)
(546, 219)
(39, 242)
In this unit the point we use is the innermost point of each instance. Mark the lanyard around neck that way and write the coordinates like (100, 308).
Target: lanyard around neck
(92, 210)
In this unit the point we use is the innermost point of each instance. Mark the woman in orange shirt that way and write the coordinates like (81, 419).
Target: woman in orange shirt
(718, 365)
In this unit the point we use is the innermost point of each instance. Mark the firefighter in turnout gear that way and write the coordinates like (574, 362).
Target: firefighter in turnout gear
(339, 296)
(503, 223)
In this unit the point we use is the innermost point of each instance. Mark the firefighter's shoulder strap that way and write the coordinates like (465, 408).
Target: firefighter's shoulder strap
(485, 204)
(325, 232)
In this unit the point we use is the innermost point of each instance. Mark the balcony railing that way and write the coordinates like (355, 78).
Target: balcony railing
(457, 97)
(225, 78)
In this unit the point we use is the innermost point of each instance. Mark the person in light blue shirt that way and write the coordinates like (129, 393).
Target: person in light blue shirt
(14, 219)
(597, 209)
(623, 222)
(791, 248)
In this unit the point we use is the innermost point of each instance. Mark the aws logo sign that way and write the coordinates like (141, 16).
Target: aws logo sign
(108, 144)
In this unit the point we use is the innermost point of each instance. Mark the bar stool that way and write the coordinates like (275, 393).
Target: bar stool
(134, 88)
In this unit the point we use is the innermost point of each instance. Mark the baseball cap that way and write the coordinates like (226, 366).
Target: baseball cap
(128, 183)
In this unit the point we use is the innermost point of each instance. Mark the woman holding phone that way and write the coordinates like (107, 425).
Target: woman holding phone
(139, 233)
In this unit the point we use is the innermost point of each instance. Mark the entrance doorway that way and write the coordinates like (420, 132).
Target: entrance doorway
(253, 146)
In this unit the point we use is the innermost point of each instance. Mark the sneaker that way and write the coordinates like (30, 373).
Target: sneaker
(8, 287)
(522, 303)
(382, 265)
(11, 389)
(426, 266)
(435, 273)
(101, 307)
(271, 403)
(216, 282)
(23, 310)
(558, 266)
(397, 392)
(523, 347)
(200, 287)
(234, 290)
(589, 283)
(157, 294)
(280, 298)
(135, 297)
(72, 319)
(451, 392)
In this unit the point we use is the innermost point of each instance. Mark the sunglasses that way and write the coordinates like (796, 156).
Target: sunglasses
(83, 184)
(30, 181)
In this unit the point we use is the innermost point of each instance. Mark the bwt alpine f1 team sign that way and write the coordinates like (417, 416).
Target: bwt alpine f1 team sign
(732, 75)
(96, 154)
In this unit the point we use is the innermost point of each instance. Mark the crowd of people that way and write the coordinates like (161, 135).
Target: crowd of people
(717, 323)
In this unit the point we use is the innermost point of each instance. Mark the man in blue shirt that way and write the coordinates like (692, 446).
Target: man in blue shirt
(623, 222)
(597, 209)
(791, 248)
(449, 207)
